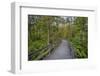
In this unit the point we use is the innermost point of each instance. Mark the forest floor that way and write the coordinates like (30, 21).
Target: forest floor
(63, 51)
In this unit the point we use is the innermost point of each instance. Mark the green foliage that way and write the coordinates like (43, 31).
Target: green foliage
(79, 38)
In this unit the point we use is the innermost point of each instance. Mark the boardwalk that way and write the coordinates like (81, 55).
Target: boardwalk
(63, 51)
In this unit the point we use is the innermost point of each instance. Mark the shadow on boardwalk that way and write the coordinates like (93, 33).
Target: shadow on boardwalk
(63, 51)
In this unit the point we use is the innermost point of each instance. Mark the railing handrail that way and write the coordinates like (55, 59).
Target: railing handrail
(44, 48)
(39, 49)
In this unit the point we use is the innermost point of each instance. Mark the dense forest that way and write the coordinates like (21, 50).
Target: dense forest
(46, 32)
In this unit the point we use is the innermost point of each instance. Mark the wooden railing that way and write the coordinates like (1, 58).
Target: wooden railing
(72, 50)
(34, 54)
(43, 52)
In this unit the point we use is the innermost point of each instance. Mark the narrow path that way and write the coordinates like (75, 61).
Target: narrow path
(63, 51)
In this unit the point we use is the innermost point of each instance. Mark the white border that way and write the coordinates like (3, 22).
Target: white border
(19, 64)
